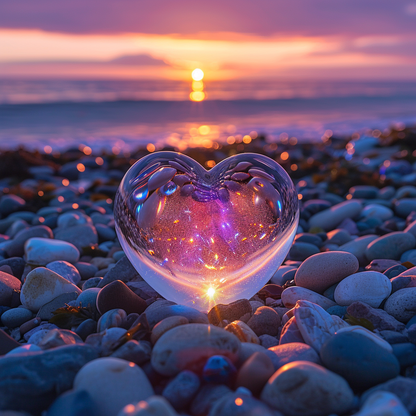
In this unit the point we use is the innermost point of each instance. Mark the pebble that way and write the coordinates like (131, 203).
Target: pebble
(7, 344)
(186, 347)
(165, 325)
(123, 270)
(390, 246)
(265, 320)
(153, 406)
(111, 319)
(255, 372)
(295, 293)
(11, 203)
(301, 251)
(73, 403)
(138, 352)
(20, 386)
(357, 247)
(302, 388)
(16, 317)
(41, 251)
(278, 278)
(117, 295)
(112, 384)
(290, 332)
(88, 297)
(206, 398)
(405, 353)
(86, 270)
(401, 305)
(358, 329)
(322, 270)
(66, 270)
(8, 285)
(368, 287)
(378, 211)
(81, 236)
(219, 369)
(403, 207)
(238, 310)
(382, 403)
(59, 337)
(46, 312)
(330, 218)
(243, 332)
(360, 360)
(17, 264)
(293, 351)
(43, 285)
(24, 349)
(16, 246)
(411, 228)
(86, 328)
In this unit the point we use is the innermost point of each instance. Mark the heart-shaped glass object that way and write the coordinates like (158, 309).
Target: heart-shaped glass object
(203, 237)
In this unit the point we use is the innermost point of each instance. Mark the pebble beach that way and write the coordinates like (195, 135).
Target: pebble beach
(333, 333)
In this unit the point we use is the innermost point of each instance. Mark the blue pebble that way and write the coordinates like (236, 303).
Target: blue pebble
(219, 369)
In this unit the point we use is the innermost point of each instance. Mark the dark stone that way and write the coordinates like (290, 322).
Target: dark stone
(394, 271)
(46, 311)
(207, 397)
(32, 382)
(238, 310)
(182, 389)
(271, 291)
(7, 343)
(81, 235)
(17, 264)
(393, 337)
(405, 353)
(88, 327)
(86, 270)
(123, 270)
(117, 295)
(16, 247)
(11, 203)
(73, 403)
(265, 321)
(301, 251)
(358, 359)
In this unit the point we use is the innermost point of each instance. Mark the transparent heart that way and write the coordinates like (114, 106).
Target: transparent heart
(201, 237)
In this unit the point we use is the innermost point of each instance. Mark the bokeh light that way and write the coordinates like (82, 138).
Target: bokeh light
(197, 74)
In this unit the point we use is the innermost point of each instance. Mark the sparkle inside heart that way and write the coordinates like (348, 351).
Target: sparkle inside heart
(205, 237)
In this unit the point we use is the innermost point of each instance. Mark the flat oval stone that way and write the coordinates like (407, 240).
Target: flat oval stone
(402, 304)
(292, 294)
(368, 287)
(383, 403)
(66, 270)
(369, 334)
(302, 388)
(390, 246)
(15, 247)
(243, 332)
(8, 285)
(330, 218)
(377, 210)
(322, 270)
(187, 347)
(43, 285)
(165, 325)
(16, 317)
(293, 351)
(358, 246)
(41, 251)
(265, 320)
(357, 358)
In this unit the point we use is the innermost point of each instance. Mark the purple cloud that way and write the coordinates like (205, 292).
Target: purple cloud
(183, 17)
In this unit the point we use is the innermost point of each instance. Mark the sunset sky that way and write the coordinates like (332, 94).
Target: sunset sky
(166, 39)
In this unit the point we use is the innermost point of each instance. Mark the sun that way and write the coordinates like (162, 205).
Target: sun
(197, 74)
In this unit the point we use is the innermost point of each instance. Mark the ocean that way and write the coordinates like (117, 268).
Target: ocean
(122, 115)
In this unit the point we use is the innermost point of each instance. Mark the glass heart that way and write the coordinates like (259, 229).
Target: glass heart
(203, 237)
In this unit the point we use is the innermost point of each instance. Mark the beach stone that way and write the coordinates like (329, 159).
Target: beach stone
(406, 354)
(295, 293)
(255, 372)
(112, 384)
(73, 403)
(309, 238)
(117, 295)
(330, 218)
(17, 264)
(91, 283)
(111, 319)
(403, 207)
(383, 403)
(32, 382)
(278, 278)
(143, 290)
(358, 246)
(238, 310)
(103, 263)
(123, 270)
(46, 311)
(207, 396)
(247, 350)
(322, 270)
(268, 341)
(66, 270)
(88, 297)
(182, 389)
(360, 360)
(241, 404)
(290, 332)
(24, 349)
(301, 251)
(86, 270)
(8, 285)
(104, 340)
(162, 309)
(338, 237)
(59, 337)
(16, 247)
(390, 246)
(41, 251)
(402, 387)
(7, 343)
(395, 271)
(411, 228)
(16, 317)
(364, 192)
(86, 328)
(81, 236)
(43, 285)
(358, 329)
(293, 351)
(402, 304)
(378, 317)
(378, 211)
(243, 332)
(381, 265)
(153, 406)
(138, 352)
(368, 287)
(393, 337)
(409, 256)
(70, 219)
(187, 347)
(315, 324)
(265, 320)
(11, 203)
(302, 388)
(165, 325)
(105, 233)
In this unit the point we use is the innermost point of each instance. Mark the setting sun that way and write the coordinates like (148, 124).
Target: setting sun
(197, 74)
